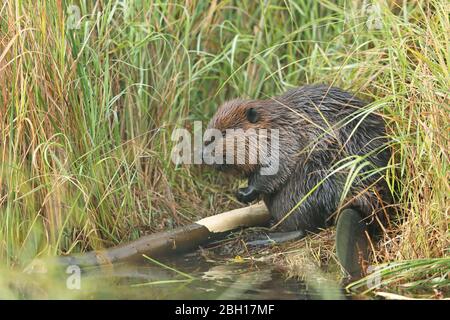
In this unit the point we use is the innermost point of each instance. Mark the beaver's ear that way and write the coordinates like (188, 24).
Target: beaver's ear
(252, 115)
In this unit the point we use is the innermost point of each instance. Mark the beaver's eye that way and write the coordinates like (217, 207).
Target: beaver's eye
(252, 115)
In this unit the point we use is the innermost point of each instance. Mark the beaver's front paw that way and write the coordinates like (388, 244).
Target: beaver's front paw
(247, 195)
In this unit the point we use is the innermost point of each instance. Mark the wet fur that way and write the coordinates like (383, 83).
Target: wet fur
(319, 126)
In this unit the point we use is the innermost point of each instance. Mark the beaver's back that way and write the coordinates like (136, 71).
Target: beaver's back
(329, 127)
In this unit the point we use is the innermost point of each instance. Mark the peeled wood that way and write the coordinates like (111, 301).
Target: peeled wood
(178, 240)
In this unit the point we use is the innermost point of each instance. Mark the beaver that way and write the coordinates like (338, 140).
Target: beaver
(332, 155)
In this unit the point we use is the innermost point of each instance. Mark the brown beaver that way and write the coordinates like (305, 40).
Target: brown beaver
(328, 140)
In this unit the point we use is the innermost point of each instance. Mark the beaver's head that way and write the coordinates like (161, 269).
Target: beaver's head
(232, 141)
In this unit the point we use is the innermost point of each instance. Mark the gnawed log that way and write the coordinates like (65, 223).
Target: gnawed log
(165, 243)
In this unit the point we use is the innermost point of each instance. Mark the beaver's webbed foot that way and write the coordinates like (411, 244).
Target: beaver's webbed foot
(247, 195)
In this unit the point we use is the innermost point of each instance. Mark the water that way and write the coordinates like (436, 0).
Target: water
(186, 277)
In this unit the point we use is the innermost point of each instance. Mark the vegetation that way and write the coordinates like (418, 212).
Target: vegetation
(87, 110)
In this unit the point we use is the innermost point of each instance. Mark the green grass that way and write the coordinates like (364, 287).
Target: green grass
(420, 276)
(86, 114)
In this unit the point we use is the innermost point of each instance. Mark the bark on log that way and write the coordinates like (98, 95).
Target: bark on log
(174, 241)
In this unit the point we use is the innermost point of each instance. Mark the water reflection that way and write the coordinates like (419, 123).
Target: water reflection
(188, 277)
